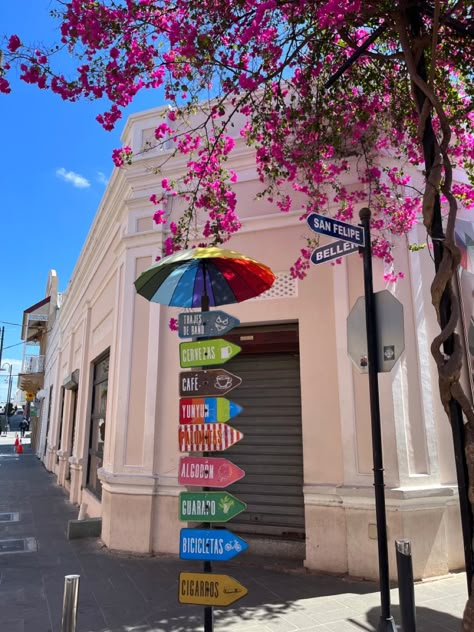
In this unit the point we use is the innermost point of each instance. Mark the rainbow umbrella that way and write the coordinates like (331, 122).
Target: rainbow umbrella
(203, 277)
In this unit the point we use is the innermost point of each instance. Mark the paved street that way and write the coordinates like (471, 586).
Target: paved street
(122, 593)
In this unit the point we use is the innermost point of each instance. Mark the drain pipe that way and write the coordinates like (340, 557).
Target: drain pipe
(71, 595)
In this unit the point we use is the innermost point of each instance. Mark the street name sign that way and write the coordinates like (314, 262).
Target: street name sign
(210, 545)
(201, 471)
(207, 437)
(335, 228)
(206, 352)
(209, 506)
(206, 410)
(334, 250)
(209, 589)
(205, 324)
(390, 332)
(210, 382)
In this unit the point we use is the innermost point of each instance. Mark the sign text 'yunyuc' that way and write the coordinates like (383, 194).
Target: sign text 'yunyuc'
(207, 410)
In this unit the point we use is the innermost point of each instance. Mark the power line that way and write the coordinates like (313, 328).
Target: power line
(4, 322)
(15, 345)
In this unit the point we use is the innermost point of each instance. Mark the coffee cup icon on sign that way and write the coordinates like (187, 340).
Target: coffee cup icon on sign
(223, 382)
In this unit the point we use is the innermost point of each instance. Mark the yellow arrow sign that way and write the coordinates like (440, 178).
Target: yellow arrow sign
(209, 589)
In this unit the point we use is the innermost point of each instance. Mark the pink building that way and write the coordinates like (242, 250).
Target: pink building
(109, 416)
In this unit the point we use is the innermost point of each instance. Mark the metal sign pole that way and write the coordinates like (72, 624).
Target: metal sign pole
(207, 566)
(386, 623)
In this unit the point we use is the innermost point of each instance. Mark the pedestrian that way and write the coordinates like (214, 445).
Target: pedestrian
(23, 425)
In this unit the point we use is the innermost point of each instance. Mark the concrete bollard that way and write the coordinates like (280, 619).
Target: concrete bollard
(406, 588)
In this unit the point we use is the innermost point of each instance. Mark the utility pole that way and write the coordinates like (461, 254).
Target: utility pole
(7, 405)
(1, 344)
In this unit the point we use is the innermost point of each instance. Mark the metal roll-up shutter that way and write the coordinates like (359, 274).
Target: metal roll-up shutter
(271, 451)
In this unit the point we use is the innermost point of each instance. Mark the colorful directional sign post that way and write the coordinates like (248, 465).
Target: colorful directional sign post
(205, 324)
(209, 506)
(204, 471)
(209, 544)
(203, 412)
(210, 382)
(206, 352)
(209, 589)
(206, 410)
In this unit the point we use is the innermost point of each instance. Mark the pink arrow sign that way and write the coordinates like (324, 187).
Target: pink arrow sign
(207, 437)
(203, 471)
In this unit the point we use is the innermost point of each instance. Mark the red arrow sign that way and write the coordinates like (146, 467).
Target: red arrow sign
(203, 471)
(207, 437)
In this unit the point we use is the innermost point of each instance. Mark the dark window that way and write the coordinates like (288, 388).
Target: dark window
(97, 424)
(48, 419)
(73, 431)
(61, 420)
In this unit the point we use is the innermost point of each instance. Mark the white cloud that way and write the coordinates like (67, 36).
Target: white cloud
(101, 178)
(74, 178)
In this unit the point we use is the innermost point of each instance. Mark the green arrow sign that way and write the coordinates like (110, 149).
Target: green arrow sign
(209, 506)
(206, 352)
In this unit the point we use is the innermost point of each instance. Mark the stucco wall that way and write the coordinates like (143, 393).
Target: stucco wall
(139, 473)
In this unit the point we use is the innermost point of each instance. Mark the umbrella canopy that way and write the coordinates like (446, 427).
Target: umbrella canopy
(204, 276)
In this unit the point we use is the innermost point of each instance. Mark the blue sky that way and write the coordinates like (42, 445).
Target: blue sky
(54, 164)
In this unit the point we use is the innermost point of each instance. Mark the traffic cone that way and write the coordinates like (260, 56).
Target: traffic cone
(17, 441)
(19, 448)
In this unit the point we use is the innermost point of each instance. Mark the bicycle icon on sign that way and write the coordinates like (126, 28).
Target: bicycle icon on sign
(233, 546)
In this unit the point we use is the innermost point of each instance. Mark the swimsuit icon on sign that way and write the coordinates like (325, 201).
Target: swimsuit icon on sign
(221, 323)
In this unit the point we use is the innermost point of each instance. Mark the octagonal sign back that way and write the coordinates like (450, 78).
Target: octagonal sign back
(390, 332)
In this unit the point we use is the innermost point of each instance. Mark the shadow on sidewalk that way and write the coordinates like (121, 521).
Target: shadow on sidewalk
(427, 620)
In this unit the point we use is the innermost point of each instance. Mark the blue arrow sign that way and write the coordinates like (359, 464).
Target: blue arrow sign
(333, 250)
(210, 544)
(335, 228)
(205, 324)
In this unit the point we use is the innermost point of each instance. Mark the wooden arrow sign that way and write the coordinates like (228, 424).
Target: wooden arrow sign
(207, 437)
(206, 352)
(209, 589)
(202, 471)
(209, 506)
(210, 382)
(207, 410)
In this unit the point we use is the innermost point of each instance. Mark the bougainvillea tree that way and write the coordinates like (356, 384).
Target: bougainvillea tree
(327, 88)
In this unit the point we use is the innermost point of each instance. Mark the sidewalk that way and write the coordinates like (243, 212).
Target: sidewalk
(122, 593)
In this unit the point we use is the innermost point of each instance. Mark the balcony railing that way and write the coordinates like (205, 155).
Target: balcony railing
(33, 364)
